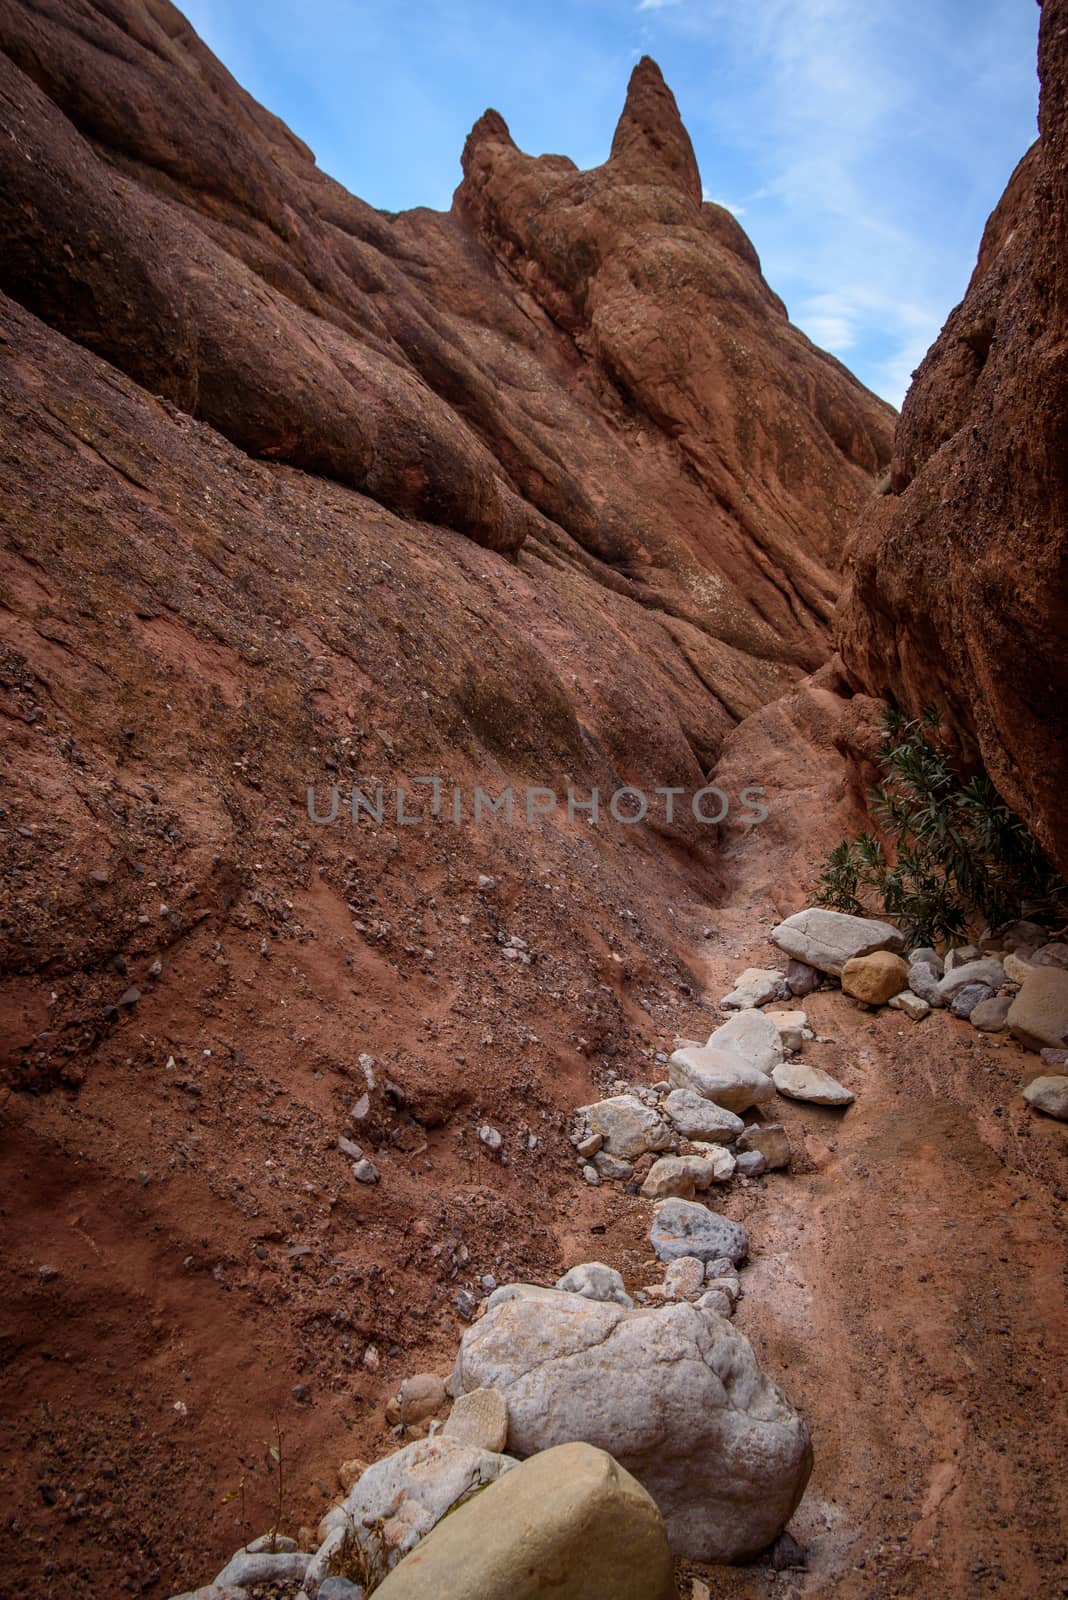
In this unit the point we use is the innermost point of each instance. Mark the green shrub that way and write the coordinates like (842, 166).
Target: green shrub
(957, 851)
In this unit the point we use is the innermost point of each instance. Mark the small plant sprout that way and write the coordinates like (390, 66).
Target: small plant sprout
(239, 1494)
(275, 1452)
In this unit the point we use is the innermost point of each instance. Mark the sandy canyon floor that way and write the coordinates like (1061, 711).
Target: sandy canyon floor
(905, 1288)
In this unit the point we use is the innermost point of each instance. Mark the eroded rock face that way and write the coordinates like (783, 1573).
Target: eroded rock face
(629, 260)
(959, 590)
(395, 355)
(674, 1394)
(816, 749)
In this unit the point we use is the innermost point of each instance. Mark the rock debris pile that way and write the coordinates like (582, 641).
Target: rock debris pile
(595, 1429)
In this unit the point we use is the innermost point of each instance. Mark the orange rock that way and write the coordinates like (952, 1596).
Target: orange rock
(876, 978)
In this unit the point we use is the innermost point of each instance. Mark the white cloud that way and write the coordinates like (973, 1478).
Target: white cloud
(829, 319)
(863, 146)
(717, 200)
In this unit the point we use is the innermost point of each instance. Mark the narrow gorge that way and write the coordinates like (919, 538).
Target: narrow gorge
(439, 653)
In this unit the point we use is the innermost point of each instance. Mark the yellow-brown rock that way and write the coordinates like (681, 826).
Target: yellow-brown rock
(875, 978)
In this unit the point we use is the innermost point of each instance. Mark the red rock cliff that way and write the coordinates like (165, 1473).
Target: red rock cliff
(585, 362)
(959, 586)
(544, 490)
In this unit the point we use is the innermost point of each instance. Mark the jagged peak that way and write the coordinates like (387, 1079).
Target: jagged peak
(482, 146)
(490, 128)
(650, 139)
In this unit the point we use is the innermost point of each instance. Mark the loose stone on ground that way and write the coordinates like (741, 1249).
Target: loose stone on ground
(828, 939)
(800, 1081)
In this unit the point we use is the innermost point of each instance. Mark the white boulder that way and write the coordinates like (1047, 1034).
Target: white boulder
(627, 1127)
(397, 1501)
(720, 1075)
(828, 939)
(695, 1117)
(674, 1394)
(799, 1081)
(753, 1036)
(992, 973)
(755, 987)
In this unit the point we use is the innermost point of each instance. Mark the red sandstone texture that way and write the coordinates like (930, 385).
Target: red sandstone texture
(543, 491)
(298, 493)
(959, 587)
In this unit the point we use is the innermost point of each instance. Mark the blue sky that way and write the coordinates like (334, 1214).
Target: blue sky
(862, 143)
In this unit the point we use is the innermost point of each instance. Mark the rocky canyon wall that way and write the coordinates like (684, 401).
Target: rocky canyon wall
(546, 490)
(958, 593)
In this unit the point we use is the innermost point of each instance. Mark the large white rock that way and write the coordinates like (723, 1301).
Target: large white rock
(923, 983)
(682, 1175)
(697, 1118)
(397, 1501)
(798, 1081)
(791, 1026)
(1038, 1016)
(753, 1036)
(673, 1393)
(720, 1075)
(828, 939)
(627, 1127)
(755, 987)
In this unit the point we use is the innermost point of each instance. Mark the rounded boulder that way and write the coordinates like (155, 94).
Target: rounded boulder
(674, 1393)
(875, 979)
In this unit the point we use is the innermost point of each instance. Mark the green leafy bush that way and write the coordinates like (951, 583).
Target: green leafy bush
(957, 851)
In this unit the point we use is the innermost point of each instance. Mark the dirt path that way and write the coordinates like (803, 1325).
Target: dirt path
(905, 1289)
(907, 1292)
